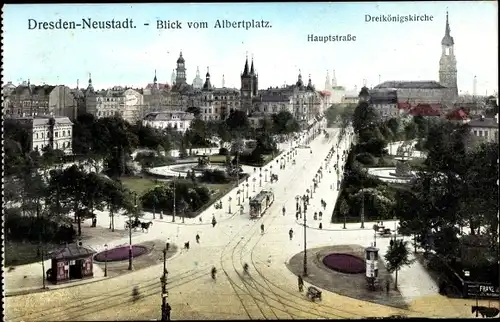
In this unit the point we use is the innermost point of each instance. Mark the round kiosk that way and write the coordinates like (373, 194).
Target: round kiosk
(371, 259)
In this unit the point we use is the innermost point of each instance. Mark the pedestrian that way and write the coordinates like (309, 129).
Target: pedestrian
(387, 285)
(315, 216)
(214, 222)
(200, 219)
(168, 308)
(197, 238)
(297, 215)
(320, 215)
(290, 232)
(262, 228)
(320, 226)
(300, 283)
(284, 210)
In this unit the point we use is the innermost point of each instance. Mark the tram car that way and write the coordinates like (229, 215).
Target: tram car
(260, 203)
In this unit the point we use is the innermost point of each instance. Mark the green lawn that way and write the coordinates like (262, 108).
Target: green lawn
(18, 253)
(217, 158)
(139, 185)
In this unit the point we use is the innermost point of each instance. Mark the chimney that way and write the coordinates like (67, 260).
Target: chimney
(482, 118)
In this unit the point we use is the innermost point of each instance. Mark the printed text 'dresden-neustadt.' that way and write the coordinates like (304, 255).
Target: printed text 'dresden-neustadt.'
(87, 23)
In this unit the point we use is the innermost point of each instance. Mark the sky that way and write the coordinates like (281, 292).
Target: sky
(129, 57)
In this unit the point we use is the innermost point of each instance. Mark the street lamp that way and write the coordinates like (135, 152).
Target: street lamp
(173, 212)
(362, 209)
(253, 180)
(271, 170)
(130, 267)
(164, 292)
(229, 208)
(260, 180)
(305, 243)
(239, 199)
(395, 227)
(297, 198)
(247, 189)
(265, 173)
(105, 260)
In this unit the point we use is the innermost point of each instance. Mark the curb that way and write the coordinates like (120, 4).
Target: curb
(69, 285)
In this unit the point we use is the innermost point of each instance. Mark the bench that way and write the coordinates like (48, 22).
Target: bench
(313, 293)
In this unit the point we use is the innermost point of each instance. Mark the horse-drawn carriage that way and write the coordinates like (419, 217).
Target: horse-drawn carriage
(313, 293)
(136, 223)
(381, 230)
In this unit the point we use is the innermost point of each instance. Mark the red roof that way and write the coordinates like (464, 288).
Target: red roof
(404, 106)
(324, 93)
(426, 110)
(160, 86)
(457, 115)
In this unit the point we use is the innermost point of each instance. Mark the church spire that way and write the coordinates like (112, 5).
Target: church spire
(245, 69)
(223, 81)
(197, 71)
(447, 39)
(252, 71)
(334, 79)
(155, 79)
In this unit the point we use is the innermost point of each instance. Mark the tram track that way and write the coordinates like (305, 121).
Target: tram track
(108, 299)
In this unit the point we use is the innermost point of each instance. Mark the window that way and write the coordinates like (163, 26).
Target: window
(486, 134)
(64, 133)
(57, 134)
(475, 133)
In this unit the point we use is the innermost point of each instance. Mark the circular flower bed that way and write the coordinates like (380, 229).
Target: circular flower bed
(345, 263)
(120, 253)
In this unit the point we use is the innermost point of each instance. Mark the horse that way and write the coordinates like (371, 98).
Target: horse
(488, 312)
(133, 224)
(145, 225)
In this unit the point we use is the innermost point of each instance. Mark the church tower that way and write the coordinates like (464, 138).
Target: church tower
(181, 71)
(246, 90)
(448, 62)
(328, 85)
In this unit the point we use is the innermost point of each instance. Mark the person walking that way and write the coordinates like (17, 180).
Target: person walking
(214, 222)
(168, 308)
(297, 215)
(197, 238)
(290, 233)
(262, 228)
(284, 210)
(387, 286)
(300, 283)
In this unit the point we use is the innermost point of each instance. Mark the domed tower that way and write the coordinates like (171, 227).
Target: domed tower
(448, 62)
(181, 71)
(197, 81)
(173, 77)
(310, 86)
(300, 83)
(90, 98)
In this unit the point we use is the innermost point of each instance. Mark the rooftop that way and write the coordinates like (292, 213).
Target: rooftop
(410, 85)
(484, 122)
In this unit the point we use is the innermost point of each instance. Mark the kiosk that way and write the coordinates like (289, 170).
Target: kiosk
(371, 259)
(71, 262)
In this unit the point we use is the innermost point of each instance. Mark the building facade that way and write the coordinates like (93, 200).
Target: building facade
(53, 131)
(484, 129)
(178, 120)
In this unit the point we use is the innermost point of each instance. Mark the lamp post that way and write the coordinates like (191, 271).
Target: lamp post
(253, 180)
(130, 267)
(305, 243)
(265, 175)
(247, 189)
(260, 180)
(173, 209)
(229, 208)
(297, 198)
(105, 260)
(164, 292)
(271, 171)
(395, 227)
(362, 209)
(239, 198)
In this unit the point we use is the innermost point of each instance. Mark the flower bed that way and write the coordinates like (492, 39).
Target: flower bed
(120, 253)
(345, 263)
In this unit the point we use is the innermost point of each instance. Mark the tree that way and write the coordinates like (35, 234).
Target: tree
(284, 123)
(393, 125)
(237, 121)
(364, 115)
(195, 110)
(397, 256)
(411, 131)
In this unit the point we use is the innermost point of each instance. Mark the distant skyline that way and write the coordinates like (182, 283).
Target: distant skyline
(129, 57)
